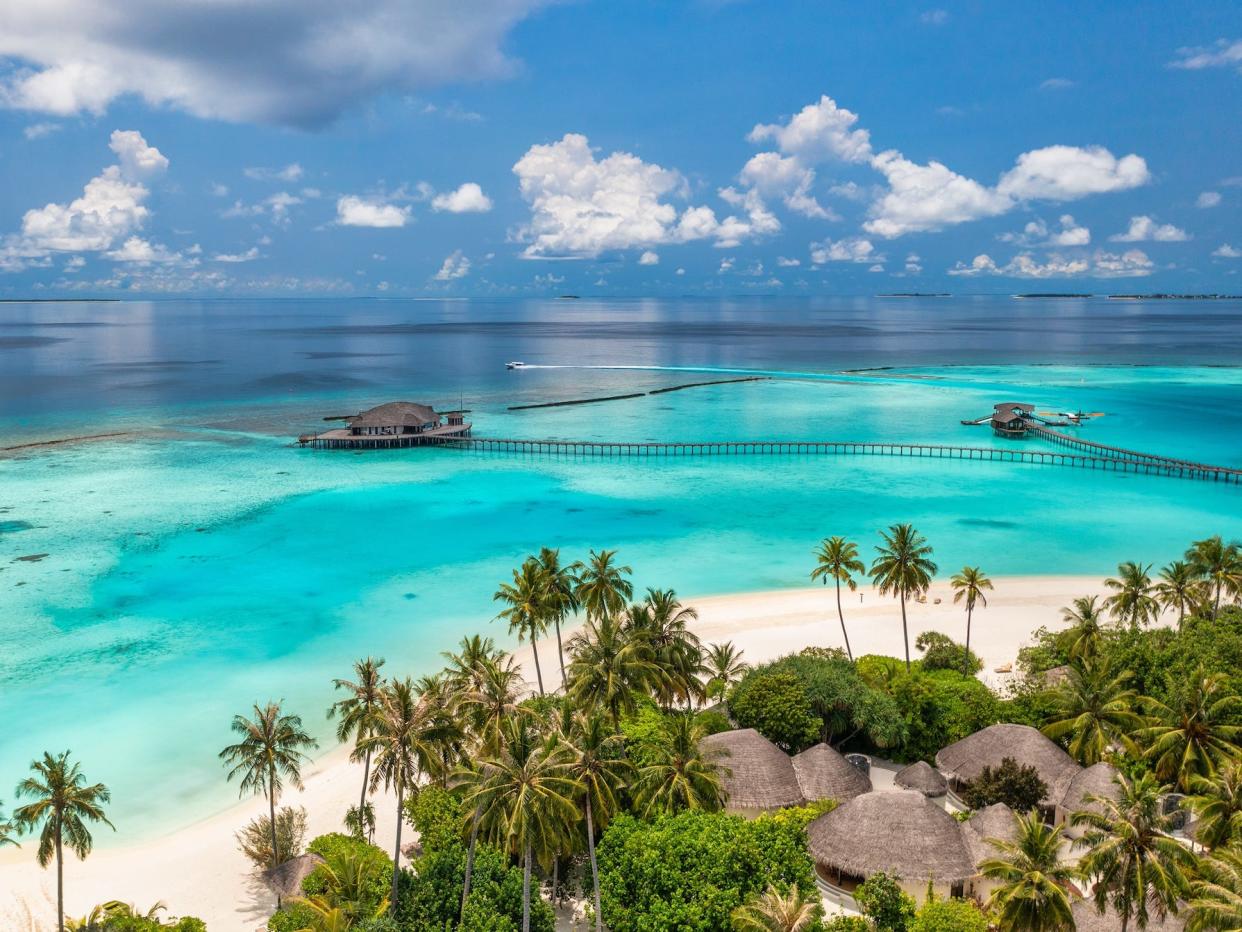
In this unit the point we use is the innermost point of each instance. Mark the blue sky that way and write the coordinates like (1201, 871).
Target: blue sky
(497, 147)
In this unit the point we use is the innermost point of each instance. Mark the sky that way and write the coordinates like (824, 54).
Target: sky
(462, 148)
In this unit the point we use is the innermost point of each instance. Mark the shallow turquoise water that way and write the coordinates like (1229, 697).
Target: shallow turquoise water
(209, 564)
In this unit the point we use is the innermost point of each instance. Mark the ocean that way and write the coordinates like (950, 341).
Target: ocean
(155, 583)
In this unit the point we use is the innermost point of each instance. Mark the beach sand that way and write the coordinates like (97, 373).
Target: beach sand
(198, 869)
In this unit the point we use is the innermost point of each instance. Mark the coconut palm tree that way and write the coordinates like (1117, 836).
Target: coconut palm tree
(837, 559)
(359, 712)
(1216, 893)
(443, 730)
(526, 608)
(8, 832)
(1179, 588)
(1082, 638)
(968, 586)
(270, 752)
(1198, 735)
(325, 917)
(683, 776)
(601, 771)
(724, 666)
(904, 568)
(1218, 564)
(558, 584)
(1217, 801)
(402, 752)
(600, 586)
(526, 800)
(464, 667)
(1132, 598)
(495, 699)
(1139, 869)
(1095, 711)
(1032, 892)
(61, 804)
(607, 670)
(776, 910)
(661, 622)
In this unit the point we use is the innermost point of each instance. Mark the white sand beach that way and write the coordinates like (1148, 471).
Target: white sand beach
(198, 869)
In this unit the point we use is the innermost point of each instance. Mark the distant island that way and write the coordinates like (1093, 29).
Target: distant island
(568, 297)
(1174, 297)
(1056, 294)
(916, 294)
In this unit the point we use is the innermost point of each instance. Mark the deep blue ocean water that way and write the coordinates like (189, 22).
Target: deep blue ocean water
(201, 562)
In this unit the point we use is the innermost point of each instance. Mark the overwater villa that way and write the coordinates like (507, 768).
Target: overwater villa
(393, 424)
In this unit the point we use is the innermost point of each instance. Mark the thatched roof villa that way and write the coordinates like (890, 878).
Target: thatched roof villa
(392, 424)
(964, 760)
(923, 777)
(757, 775)
(823, 773)
(285, 880)
(1096, 780)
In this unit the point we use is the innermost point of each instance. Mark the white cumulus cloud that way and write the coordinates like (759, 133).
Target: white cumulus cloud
(233, 258)
(854, 249)
(649, 258)
(1144, 229)
(455, 266)
(1208, 199)
(291, 172)
(818, 131)
(1225, 251)
(1066, 173)
(354, 211)
(1131, 264)
(1221, 54)
(928, 197)
(467, 199)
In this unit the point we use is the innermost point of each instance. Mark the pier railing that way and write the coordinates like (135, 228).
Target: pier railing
(1139, 464)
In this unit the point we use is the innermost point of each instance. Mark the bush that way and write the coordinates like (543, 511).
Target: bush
(777, 706)
(438, 817)
(950, 916)
(433, 900)
(940, 652)
(644, 733)
(142, 924)
(292, 917)
(255, 840)
(341, 853)
(882, 900)
(940, 707)
(712, 721)
(1016, 785)
(847, 924)
(691, 870)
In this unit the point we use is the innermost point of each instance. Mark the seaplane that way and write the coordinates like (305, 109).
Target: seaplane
(515, 365)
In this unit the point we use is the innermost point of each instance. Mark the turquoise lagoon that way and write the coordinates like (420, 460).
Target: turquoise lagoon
(201, 562)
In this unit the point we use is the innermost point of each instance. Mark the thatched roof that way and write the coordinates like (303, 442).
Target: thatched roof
(824, 774)
(996, 821)
(1088, 919)
(923, 777)
(1096, 780)
(898, 832)
(965, 759)
(395, 414)
(756, 774)
(285, 880)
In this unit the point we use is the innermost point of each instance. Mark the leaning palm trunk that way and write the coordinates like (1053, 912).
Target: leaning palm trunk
(560, 649)
(396, 849)
(60, 882)
(970, 608)
(844, 633)
(905, 631)
(599, 915)
(366, 773)
(534, 649)
(271, 809)
(474, 837)
(526, 890)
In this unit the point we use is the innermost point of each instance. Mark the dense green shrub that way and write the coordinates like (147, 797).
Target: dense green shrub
(712, 721)
(438, 817)
(940, 707)
(777, 705)
(940, 652)
(143, 924)
(291, 917)
(882, 900)
(1016, 785)
(338, 850)
(255, 838)
(691, 870)
(949, 916)
(644, 733)
(848, 924)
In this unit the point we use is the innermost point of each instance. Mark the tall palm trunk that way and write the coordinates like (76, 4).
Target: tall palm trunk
(526, 890)
(844, 633)
(599, 916)
(560, 649)
(396, 851)
(362, 803)
(60, 881)
(534, 649)
(970, 608)
(474, 837)
(905, 631)
(271, 815)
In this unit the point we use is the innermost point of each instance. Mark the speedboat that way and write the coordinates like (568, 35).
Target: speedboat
(515, 365)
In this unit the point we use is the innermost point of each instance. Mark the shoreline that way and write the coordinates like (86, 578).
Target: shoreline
(196, 869)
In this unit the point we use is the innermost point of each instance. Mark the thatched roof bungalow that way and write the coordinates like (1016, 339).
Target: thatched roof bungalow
(285, 880)
(823, 773)
(901, 833)
(1089, 919)
(923, 777)
(757, 775)
(1096, 780)
(964, 760)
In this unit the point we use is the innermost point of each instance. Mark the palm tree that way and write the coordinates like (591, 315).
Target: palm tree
(1095, 710)
(270, 751)
(903, 568)
(8, 832)
(474, 653)
(600, 586)
(1198, 736)
(1132, 600)
(607, 670)
(402, 753)
(661, 621)
(325, 917)
(1179, 588)
(837, 559)
(968, 585)
(526, 800)
(558, 584)
(1217, 801)
(1134, 860)
(62, 802)
(683, 775)
(359, 712)
(1032, 884)
(600, 770)
(1219, 565)
(1082, 638)
(346, 876)
(526, 608)
(443, 732)
(495, 699)
(1216, 893)
(724, 666)
(777, 911)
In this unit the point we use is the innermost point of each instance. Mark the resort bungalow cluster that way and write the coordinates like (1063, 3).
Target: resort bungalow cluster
(393, 424)
(902, 822)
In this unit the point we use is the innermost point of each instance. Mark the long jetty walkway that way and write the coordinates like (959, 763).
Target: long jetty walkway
(1140, 463)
